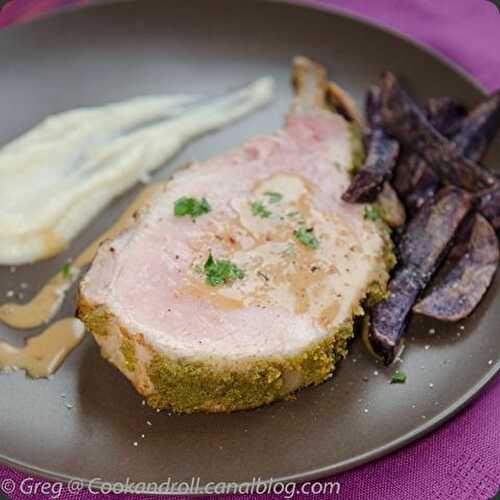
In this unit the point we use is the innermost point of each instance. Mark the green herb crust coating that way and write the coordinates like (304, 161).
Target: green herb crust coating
(199, 386)
(191, 385)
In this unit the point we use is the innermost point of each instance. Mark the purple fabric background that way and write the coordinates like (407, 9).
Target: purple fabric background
(461, 460)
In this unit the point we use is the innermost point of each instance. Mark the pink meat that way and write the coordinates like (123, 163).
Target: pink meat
(149, 277)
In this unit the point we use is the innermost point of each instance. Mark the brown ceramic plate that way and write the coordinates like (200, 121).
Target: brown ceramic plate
(96, 55)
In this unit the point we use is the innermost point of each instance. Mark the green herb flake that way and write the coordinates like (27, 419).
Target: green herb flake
(398, 377)
(259, 210)
(191, 206)
(273, 196)
(371, 213)
(306, 237)
(220, 272)
(66, 271)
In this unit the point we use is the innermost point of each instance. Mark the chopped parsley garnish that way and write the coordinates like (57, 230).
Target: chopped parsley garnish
(398, 378)
(191, 206)
(273, 196)
(259, 210)
(66, 271)
(306, 237)
(371, 213)
(219, 272)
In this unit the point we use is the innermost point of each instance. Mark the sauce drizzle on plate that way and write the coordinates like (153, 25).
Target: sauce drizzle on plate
(44, 353)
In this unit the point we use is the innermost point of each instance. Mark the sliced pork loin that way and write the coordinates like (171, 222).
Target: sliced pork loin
(272, 310)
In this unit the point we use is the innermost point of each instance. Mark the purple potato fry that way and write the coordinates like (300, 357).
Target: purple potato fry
(381, 157)
(421, 250)
(475, 131)
(464, 286)
(378, 168)
(445, 114)
(403, 119)
(414, 180)
(389, 317)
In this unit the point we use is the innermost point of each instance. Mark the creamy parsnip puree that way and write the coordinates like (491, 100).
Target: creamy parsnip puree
(58, 176)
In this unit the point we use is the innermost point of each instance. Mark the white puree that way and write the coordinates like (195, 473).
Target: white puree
(58, 176)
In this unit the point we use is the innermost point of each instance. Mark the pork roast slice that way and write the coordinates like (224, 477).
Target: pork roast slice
(247, 302)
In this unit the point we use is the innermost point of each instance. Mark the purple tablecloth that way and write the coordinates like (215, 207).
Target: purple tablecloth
(462, 459)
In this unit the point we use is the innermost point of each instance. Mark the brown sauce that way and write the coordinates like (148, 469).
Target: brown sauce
(279, 269)
(44, 353)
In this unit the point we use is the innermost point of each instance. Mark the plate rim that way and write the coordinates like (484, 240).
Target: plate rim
(359, 460)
